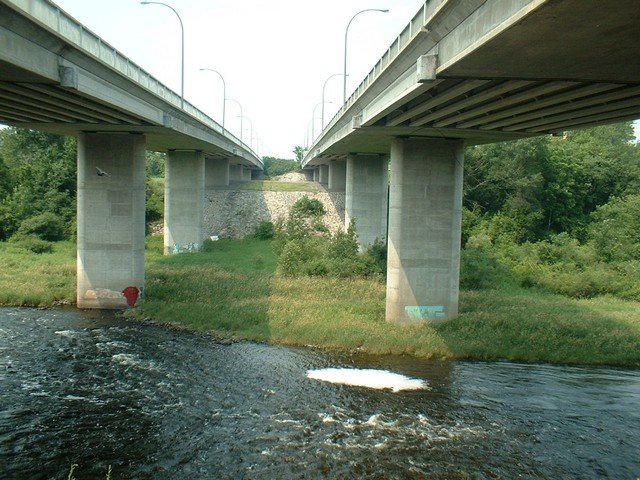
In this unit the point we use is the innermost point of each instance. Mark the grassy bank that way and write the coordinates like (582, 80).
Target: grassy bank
(233, 290)
(29, 279)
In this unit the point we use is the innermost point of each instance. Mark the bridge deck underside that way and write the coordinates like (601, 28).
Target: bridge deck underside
(566, 64)
(51, 108)
(58, 77)
(521, 106)
(488, 110)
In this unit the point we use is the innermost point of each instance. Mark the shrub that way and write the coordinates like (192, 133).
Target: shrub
(32, 243)
(307, 207)
(265, 230)
(305, 248)
(481, 270)
(615, 230)
(377, 254)
(299, 253)
(154, 199)
(46, 226)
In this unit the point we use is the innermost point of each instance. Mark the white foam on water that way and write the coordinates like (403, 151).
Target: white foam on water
(67, 333)
(370, 378)
(132, 360)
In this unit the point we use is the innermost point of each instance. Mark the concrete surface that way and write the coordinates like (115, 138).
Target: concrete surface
(183, 202)
(111, 209)
(425, 215)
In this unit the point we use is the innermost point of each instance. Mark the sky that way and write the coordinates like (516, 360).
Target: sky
(274, 55)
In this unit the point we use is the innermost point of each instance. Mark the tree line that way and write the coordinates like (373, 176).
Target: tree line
(567, 202)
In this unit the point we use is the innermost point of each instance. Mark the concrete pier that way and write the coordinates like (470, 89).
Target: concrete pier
(323, 172)
(235, 172)
(337, 176)
(183, 201)
(316, 174)
(246, 174)
(111, 206)
(216, 171)
(366, 197)
(425, 212)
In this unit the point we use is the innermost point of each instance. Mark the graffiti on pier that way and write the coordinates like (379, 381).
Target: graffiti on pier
(127, 297)
(188, 248)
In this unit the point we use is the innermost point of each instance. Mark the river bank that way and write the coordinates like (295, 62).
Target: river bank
(233, 290)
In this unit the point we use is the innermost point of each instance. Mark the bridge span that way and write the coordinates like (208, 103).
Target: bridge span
(467, 72)
(56, 76)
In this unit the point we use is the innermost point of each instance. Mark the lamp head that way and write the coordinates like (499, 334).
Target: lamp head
(386, 10)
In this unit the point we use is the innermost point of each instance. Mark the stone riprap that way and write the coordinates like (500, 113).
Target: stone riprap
(233, 213)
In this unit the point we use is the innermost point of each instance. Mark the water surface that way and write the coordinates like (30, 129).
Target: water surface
(90, 389)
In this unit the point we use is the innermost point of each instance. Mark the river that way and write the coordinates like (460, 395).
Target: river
(97, 391)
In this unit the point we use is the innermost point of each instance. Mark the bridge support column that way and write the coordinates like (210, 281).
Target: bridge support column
(316, 174)
(246, 174)
(337, 175)
(235, 172)
(111, 205)
(425, 212)
(366, 197)
(183, 201)
(216, 172)
(323, 174)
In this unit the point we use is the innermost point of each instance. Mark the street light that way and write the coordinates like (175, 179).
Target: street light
(240, 106)
(182, 32)
(346, 32)
(224, 92)
(323, 87)
(250, 129)
(313, 121)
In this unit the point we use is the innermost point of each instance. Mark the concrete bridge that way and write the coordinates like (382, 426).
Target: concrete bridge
(466, 72)
(57, 76)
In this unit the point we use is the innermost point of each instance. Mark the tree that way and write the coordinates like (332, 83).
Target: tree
(299, 152)
(279, 166)
(155, 164)
(41, 171)
(530, 189)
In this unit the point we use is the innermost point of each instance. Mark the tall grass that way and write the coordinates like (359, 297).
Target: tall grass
(233, 289)
(31, 279)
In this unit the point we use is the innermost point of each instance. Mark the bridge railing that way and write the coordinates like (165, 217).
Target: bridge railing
(414, 28)
(51, 17)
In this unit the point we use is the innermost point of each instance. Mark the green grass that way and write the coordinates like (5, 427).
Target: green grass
(29, 279)
(275, 186)
(234, 290)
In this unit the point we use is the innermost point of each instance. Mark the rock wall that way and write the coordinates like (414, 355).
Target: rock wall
(235, 213)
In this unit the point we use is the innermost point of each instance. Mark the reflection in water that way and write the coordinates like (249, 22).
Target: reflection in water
(90, 389)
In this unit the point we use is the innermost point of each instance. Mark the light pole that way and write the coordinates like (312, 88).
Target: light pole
(346, 32)
(323, 87)
(240, 106)
(313, 121)
(250, 129)
(224, 92)
(182, 56)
